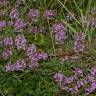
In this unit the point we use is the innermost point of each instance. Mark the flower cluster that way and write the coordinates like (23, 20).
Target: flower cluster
(91, 89)
(20, 42)
(7, 53)
(80, 36)
(69, 17)
(18, 66)
(33, 14)
(33, 64)
(91, 78)
(35, 56)
(14, 14)
(78, 71)
(58, 77)
(7, 42)
(50, 14)
(79, 42)
(76, 81)
(59, 30)
(70, 79)
(42, 55)
(2, 25)
(18, 22)
(89, 22)
(19, 25)
(93, 23)
(31, 50)
(78, 47)
(85, 21)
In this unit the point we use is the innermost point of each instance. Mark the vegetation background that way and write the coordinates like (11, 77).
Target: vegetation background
(41, 82)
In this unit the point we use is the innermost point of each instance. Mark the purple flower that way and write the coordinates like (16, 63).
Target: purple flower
(20, 42)
(7, 53)
(19, 65)
(86, 21)
(80, 36)
(8, 41)
(79, 46)
(93, 24)
(32, 53)
(59, 30)
(60, 37)
(78, 71)
(34, 57)
(70, 79)
(33, 14)
(80, 83)
(91, 88)
(69, 17)
(31, 50)
(59, 27)
(14, 14)
(9, 67)
(87, 91)
(58, 77)
(42, 55)
(93, 71)
(74, 90)
(33, 64)
(19, 25)
(2, 25)
(90, 78)
(79, 42)
(50, 14)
